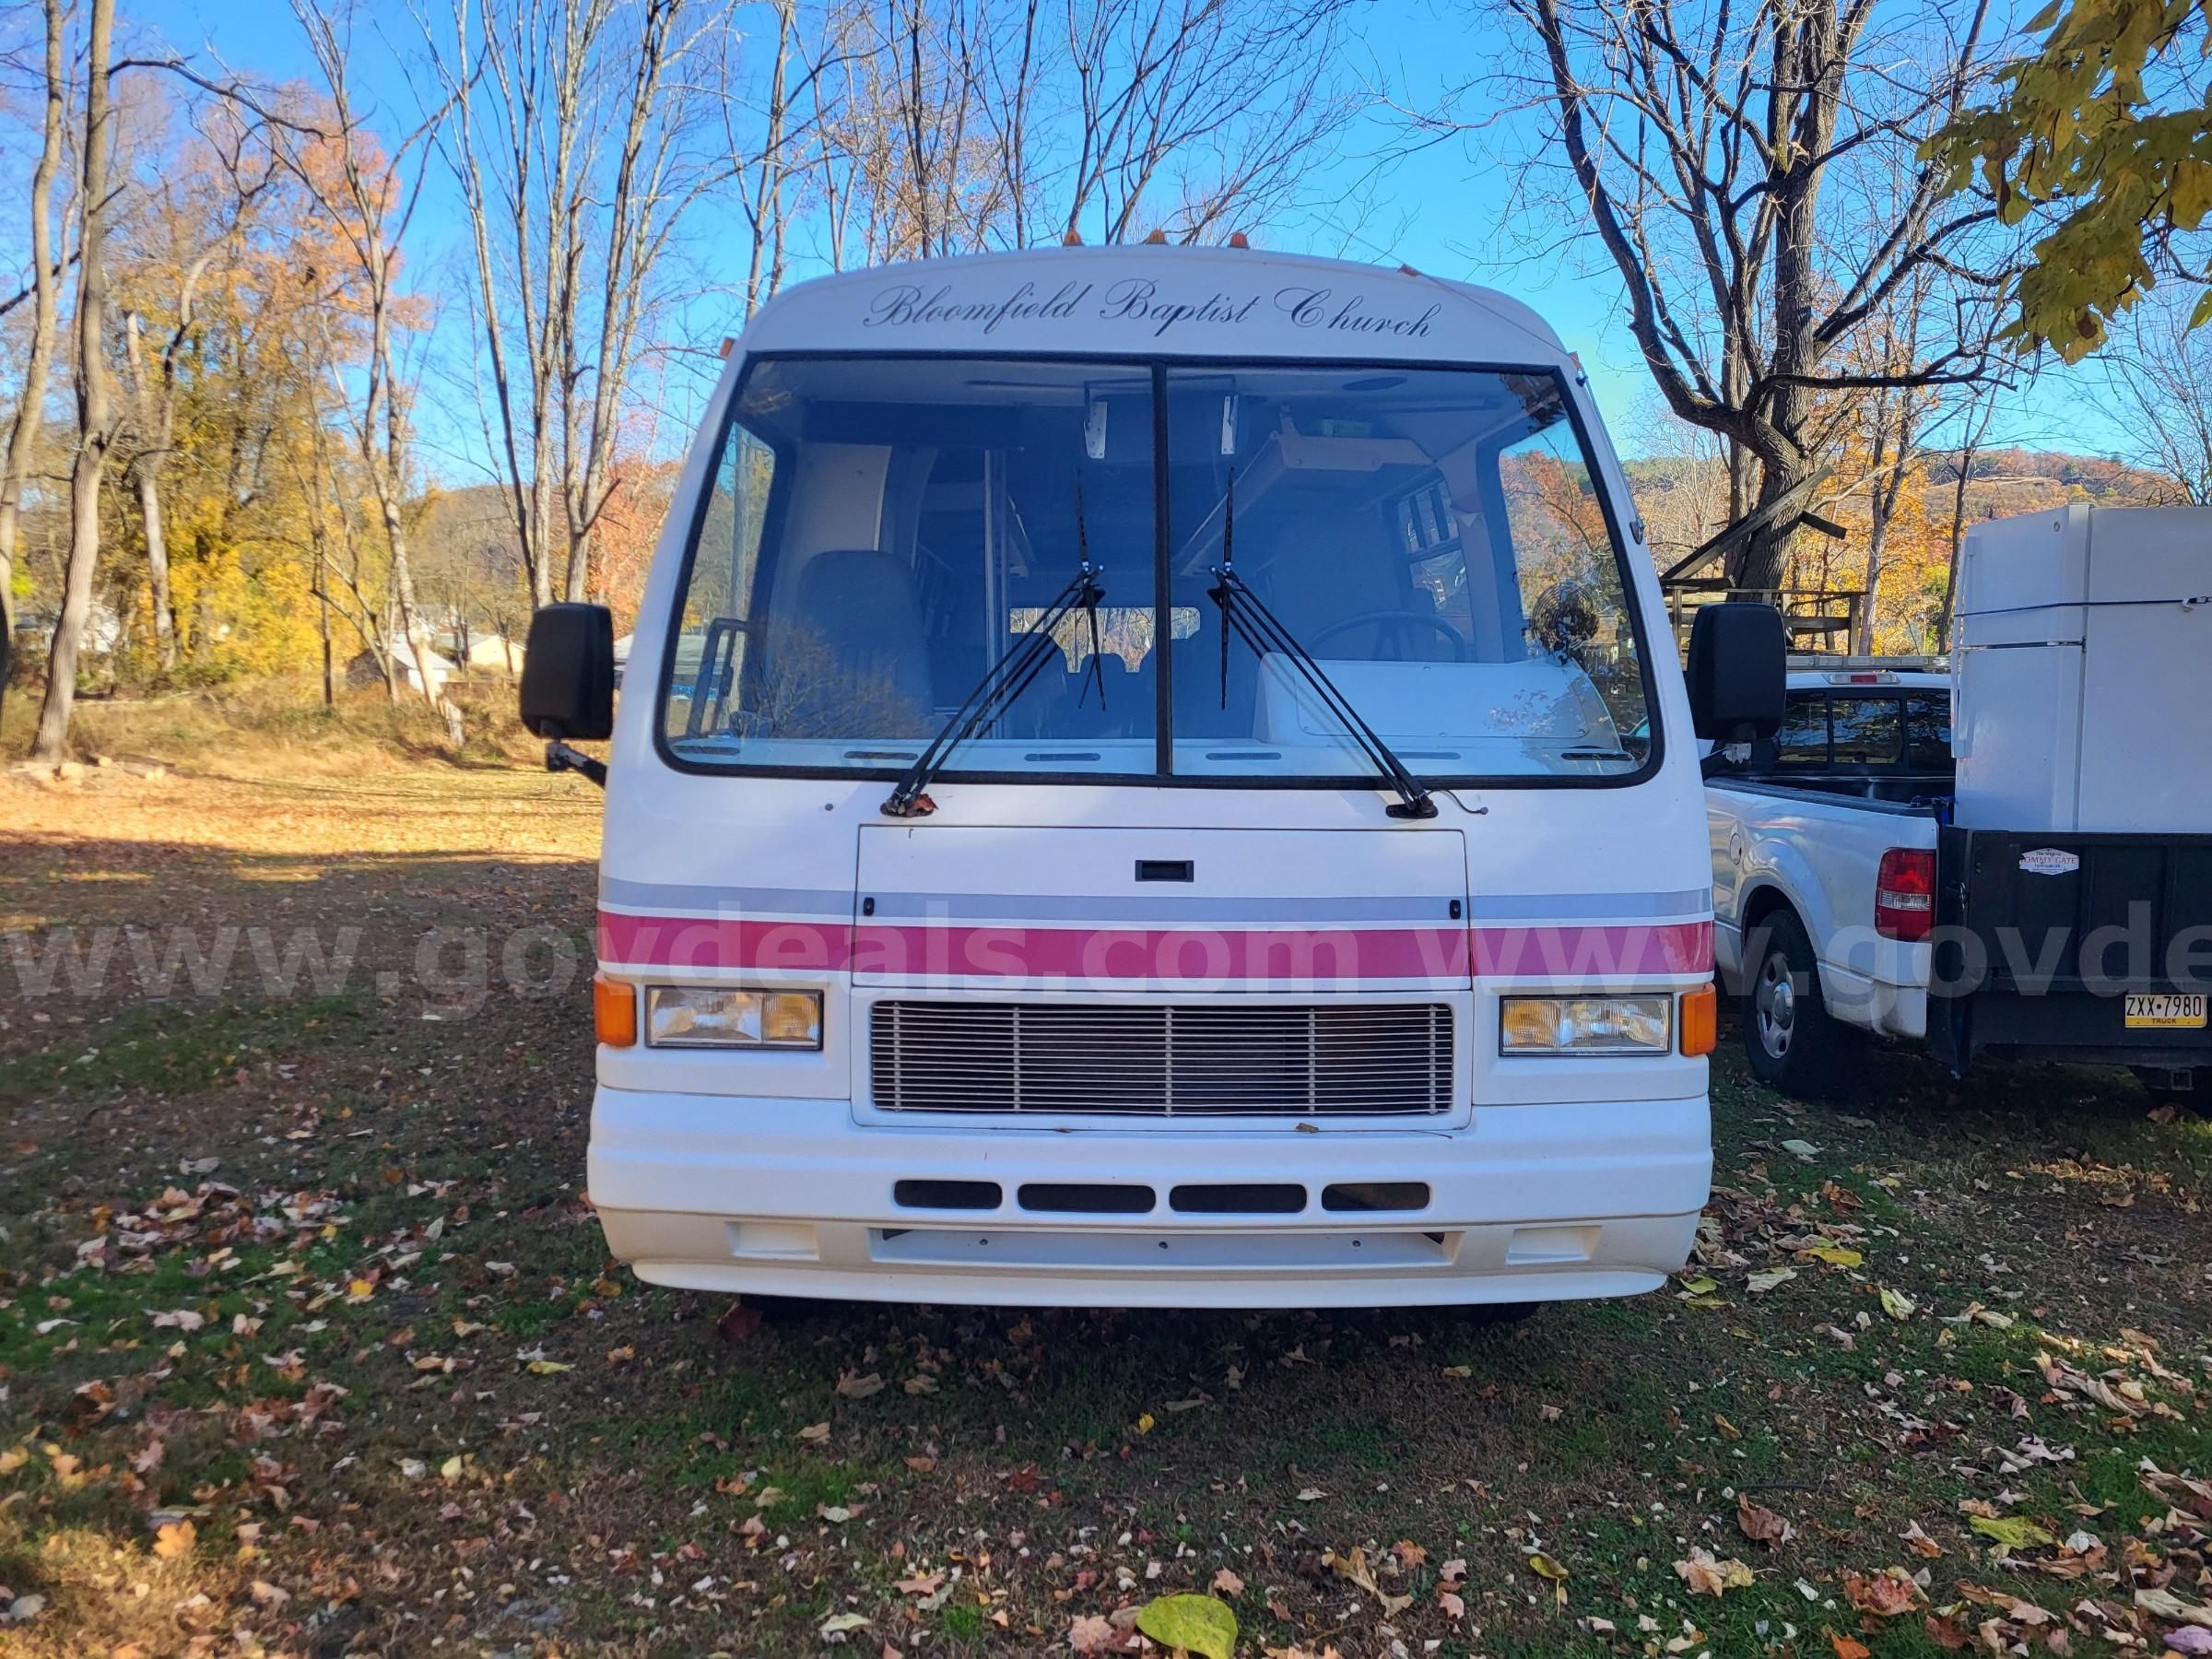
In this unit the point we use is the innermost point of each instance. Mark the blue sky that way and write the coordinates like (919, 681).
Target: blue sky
(1443, 210)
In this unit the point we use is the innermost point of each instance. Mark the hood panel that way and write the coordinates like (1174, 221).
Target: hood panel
(1158, 909)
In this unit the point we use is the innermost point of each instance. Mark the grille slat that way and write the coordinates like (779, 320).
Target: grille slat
(1371, 1059)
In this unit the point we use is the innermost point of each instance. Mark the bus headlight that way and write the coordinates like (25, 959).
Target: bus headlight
(1584, 1025)
(718, 1016)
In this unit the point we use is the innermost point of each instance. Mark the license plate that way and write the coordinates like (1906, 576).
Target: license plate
(2158, 1010)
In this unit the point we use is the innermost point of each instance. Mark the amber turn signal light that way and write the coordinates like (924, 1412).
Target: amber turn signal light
(615, 1011)
(1701, 1020)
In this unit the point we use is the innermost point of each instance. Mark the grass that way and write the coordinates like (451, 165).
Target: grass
(386, 1376)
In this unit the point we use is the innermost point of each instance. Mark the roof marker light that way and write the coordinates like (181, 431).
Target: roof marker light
(1159, 239)
(1074, 239)
(1237, 240)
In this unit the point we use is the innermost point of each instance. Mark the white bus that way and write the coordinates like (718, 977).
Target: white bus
(1151, 776)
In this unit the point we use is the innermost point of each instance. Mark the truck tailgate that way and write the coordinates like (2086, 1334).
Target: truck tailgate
(2051, 931)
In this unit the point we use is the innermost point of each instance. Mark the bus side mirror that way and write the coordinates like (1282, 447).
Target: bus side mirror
(1738, 660)
(567, 688)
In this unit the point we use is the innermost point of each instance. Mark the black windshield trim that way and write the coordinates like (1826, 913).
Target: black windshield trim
(1162, 777)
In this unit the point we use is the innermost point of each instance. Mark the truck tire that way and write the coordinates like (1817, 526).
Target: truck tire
(1791, 1041)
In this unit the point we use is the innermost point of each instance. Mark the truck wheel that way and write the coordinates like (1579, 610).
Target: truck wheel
(1787, 1031)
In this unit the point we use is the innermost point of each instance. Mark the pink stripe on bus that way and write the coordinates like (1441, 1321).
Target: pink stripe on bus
(1137, 954)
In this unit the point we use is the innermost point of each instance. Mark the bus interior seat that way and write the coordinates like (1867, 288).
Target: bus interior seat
(861, 606)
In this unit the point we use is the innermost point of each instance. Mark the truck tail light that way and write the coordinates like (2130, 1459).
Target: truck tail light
(1904, 894)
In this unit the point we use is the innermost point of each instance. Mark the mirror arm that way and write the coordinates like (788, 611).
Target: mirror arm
(560, 757)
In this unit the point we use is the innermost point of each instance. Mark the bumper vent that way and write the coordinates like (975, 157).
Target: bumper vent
(1352, 1060)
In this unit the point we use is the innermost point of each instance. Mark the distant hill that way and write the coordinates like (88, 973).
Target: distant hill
(2003, 482)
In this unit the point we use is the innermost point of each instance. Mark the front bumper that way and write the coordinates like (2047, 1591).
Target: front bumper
(792, 1198)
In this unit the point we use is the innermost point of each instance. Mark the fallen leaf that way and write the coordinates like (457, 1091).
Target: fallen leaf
(1920, 1543)
(1761, 1525)
(1091, 1634)
(1199, 1624)
(1886, 1593)
(548, 1367)
(1848, 1647)
(1896, 1304)
(859, 1388)
(1229, 1583)
(1759, 1283)
(2164, 1604)
(1836, 1255)
(1544, 1567)
(2015, 1531)
(1707, 1576)
(175, 1539)
(840, 1624)
(814, 1434)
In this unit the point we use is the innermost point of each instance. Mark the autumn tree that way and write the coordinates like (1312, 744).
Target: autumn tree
(2103, 133)
(202, 204)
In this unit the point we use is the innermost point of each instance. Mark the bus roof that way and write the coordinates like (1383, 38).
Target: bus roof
(1151, 300)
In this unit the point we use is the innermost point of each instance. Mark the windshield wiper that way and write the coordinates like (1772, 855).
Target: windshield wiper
(1006, 680)
(1244, 611)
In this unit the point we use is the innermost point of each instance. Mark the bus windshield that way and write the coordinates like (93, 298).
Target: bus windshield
(879, 530)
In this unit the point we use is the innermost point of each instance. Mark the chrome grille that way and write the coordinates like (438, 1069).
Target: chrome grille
(1364, 1058)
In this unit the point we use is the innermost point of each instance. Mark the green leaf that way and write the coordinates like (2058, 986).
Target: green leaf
(2015, 1531)
(1197, 1624)
(1896, 1304)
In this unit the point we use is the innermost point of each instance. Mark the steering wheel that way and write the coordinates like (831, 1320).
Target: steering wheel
(1396, 620)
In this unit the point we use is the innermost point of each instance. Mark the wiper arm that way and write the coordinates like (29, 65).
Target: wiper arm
(1242, 610)
(1002, 684)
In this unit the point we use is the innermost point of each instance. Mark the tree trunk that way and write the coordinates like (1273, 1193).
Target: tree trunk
(95, 420)
(45, 285)
(1765, 559)
(156, 564)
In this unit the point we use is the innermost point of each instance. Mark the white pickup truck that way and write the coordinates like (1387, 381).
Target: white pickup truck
(1824, 849)
(2036, 885)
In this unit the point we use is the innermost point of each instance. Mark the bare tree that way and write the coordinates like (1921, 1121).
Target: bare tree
(95, 412)
(45, 289)
(367, 199)
(2157, 389)
(1703, 141)
(1973, 432)
(968, 124)
(579, 144)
